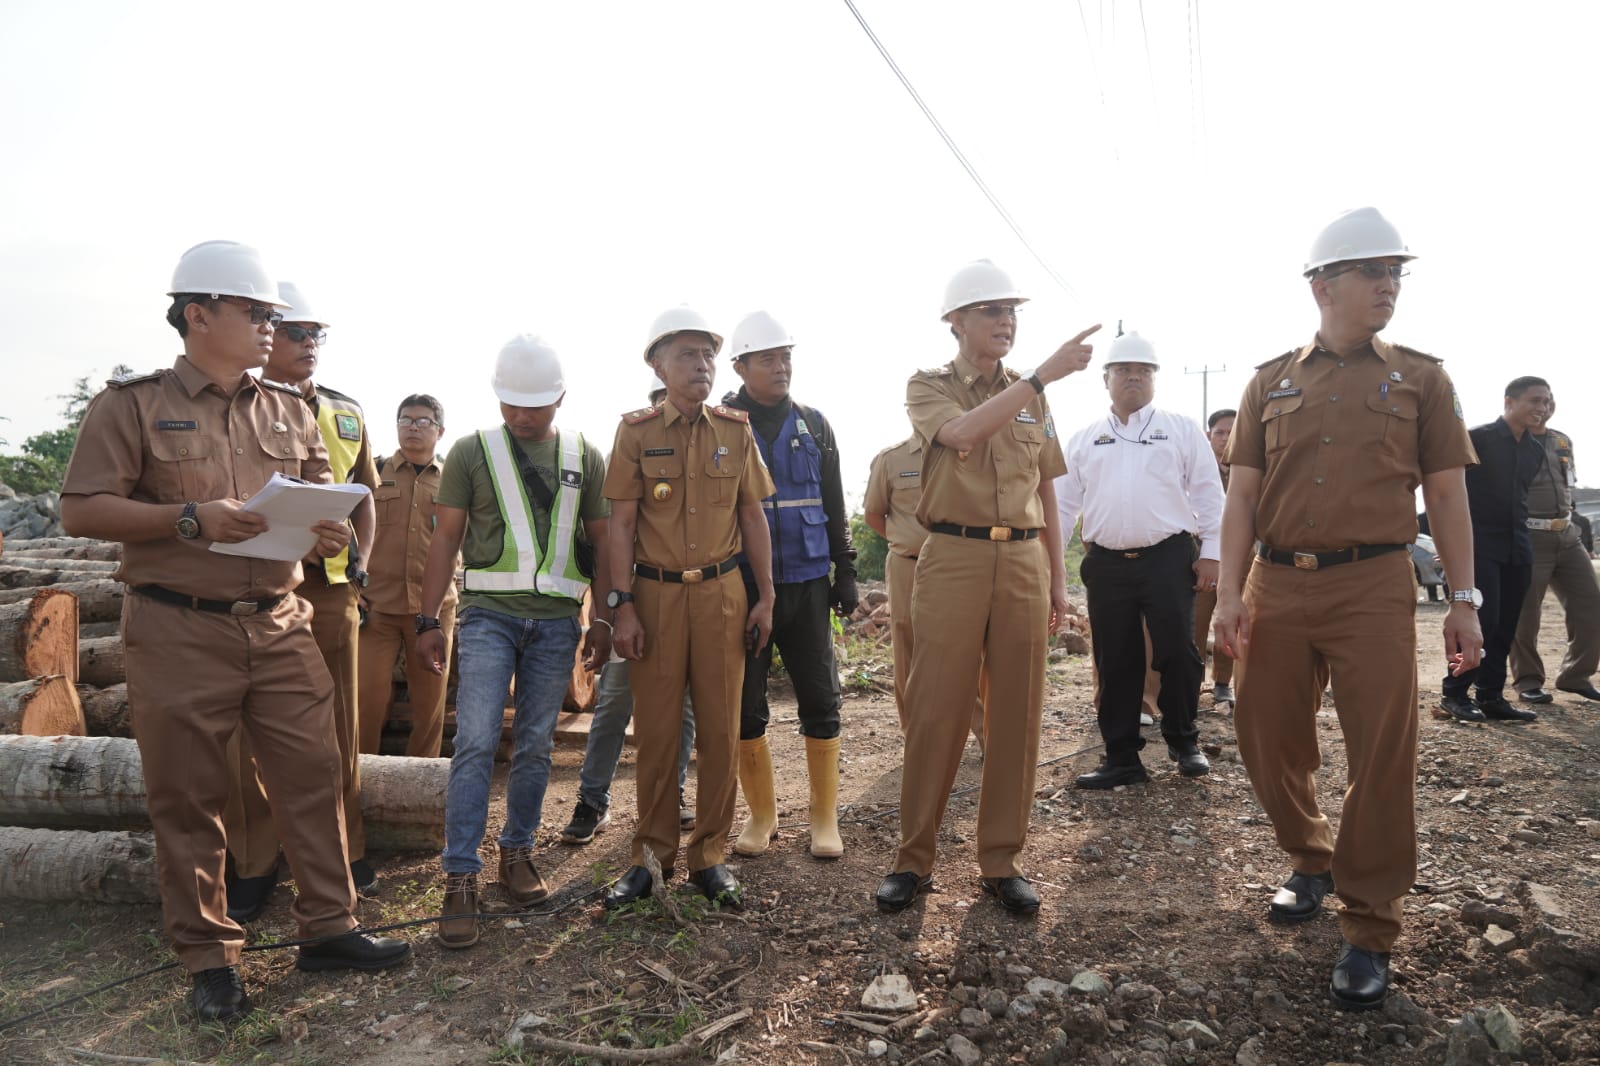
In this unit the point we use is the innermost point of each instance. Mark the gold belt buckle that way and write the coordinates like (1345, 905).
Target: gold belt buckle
(1559, 525)
(241, 608)
(999, 532)
(1131, 555)
(1305, 561)
(693, 577)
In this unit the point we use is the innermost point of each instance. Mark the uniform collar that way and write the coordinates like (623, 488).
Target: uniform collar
(968, 374)
(193, 379)
(399, 459)
(671, 414)
(1378, 345)
(1139, 417)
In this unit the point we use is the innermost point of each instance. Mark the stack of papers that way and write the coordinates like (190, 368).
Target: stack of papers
(291, 507)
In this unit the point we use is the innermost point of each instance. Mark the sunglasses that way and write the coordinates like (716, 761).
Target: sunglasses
(260, 314)
(299, 334)
(420, 423)
(1373, 271)
(995, 310)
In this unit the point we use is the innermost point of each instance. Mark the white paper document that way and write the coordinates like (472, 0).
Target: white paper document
(291, 507)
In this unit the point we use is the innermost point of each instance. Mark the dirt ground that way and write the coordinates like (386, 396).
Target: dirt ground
(1160, 889)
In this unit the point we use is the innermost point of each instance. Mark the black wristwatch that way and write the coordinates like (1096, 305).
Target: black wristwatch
(189, 525)
(1033, 379)
(424, 623)
(359, 578)
(616, 598)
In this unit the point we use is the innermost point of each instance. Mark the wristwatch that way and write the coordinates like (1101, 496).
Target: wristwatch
(1033, 379)
(188, 525)
(359, 578)
(616, 598)
(1472, 596)
(424, 623)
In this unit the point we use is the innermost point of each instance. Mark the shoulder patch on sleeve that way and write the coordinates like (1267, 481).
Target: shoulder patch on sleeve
(122, 383)
(732, 414)
(935, 372)
(292, 390)
(1278, 358)
(644, 414)
(342, 397)
(1420, 355)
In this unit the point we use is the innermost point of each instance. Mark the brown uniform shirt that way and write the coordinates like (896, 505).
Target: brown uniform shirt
(894, 489)
(997, 482)
(1550, 495)
(689, 475)
(1343, 443)
(174, 437)
(405, 503)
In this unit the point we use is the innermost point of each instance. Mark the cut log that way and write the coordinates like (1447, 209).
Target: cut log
(90, 630)
(41, 707)
(105, 711)
(46, 562)
(108, 551)
(52, 866)
(26, 577)
(100, 662)
(98, 783)
(99, 599)
(39, 636)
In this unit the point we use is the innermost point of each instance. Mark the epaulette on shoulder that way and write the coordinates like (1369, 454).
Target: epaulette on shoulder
(1277, 359)
(935, 372)
(337, 395)
(644, 414)
(122, 383)
(1420, 355)
(732, 414)
(282, 386)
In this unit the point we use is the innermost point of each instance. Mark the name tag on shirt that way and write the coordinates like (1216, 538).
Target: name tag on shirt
(653, 452)
(1105, 438)
(1159, 434)
(174, 423)
(1278, 394)
(910, 473)
(1026, 418)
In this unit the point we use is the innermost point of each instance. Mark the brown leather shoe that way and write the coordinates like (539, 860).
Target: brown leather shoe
(460, 897)
(519, 878)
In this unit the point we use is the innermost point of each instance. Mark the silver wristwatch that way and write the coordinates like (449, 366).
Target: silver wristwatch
(1472, 596)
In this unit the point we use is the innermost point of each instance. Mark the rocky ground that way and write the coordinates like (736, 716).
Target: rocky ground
(1151, 946)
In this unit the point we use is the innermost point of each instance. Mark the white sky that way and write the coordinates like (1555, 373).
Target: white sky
(440, 177)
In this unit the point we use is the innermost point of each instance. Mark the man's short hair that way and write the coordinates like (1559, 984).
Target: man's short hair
(422, 399)
(1521, 385)
(175, 315)
(1218, 416)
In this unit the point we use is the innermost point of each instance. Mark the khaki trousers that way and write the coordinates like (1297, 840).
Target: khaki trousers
(981, 612)
(1205, 604)
(1355, 622)
(1559, 562)
(383, 638)
(694, 636)
(194, 680)
(252, 837)
(900, 575)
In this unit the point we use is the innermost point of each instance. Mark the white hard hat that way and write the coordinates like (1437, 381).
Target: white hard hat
(296, 307)
(681, 319)
(224, 268)
(758, 332)
(1132, 348)
(980, 281)
(1360, 233)
(528, 373)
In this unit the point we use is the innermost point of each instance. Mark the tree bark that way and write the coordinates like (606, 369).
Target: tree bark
(99, 599)
(51, 562)
(91, 548)
(53, 866)
(105, 711)
(41, 707)
(39, 636)
(100, 662)
(90, 630)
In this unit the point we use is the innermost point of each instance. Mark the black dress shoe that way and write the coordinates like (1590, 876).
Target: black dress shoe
(633, 885)
(1110, 775)
(1300, 898)
(1014, 893)
(897, 891)
(1588, 692)
(353, 951)
(1535, 695)
(1360, 978)
(1497, 709)
(248, 896)
(1460, 708)
(219, 994)
(1191, 763)
(363, 875)
(718, 885)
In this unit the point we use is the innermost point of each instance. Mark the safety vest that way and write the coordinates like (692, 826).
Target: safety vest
(522, 566)
(343, 425)
(795, 516)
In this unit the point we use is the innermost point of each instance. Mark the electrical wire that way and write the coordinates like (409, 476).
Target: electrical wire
(1150, 66)
(1099, 83)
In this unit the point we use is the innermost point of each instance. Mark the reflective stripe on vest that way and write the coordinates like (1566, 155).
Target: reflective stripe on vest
(342, 455)
(521, 566)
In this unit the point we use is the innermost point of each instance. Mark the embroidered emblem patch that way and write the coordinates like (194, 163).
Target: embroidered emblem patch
(1049, 427)
(571, 478)
(349, 427)
(1105, 438)
(1159, 434)
(1456, 401)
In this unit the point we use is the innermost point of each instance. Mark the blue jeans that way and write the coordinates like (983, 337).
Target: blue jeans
(494, 649)
(613, 708)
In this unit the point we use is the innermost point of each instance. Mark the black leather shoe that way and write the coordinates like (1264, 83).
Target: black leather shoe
(718, 885)
(354, 951)
(1360, 978)
(219, 994)
(1588, 692)
(1191, 763)
(1110, 775)
(364, 876)
(1300, 898)
(1014, 893)
(635, 884)
(1497, 709)
(1535, 695)
(1460, 708)
(897, 891)
(248, 896)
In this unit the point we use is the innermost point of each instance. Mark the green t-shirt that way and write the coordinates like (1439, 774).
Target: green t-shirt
(466, 484)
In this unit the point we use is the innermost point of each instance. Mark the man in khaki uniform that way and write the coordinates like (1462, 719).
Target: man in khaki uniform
(686, 485)
(989, 588)
(1331, 442)
(331, 587)
(393, 597)
(164, 463)
(1219, 427)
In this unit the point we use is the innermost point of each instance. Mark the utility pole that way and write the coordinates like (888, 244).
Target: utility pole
(1205, 373)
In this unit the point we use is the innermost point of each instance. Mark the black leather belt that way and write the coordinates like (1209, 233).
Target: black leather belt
(1136, 553)
(1318, 560)
(687, 577)
(236, 607)
(997, 533)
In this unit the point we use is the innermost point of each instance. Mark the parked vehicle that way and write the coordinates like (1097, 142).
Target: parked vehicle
(1425, 561)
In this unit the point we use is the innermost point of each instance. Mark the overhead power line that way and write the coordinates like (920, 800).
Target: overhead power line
(961, 158)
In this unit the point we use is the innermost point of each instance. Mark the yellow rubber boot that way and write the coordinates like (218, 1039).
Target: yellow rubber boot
(822, 764)
(755, 779)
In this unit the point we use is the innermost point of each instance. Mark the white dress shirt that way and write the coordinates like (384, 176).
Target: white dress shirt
(1140, 483)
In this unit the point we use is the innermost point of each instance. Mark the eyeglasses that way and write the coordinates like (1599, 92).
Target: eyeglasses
(299, 334)
(1373, 271)
(259, 313)
(420, 423)
(995, 310)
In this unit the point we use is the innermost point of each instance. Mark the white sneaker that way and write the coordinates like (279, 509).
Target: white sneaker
(1145, 719)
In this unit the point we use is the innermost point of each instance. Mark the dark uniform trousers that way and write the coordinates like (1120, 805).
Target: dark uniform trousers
(1559, 562)
(1504, 586)
(1151, 593)
(383, 639)
(252, 836)
(981, 612)
(694, 636)
(900, 574)
(194, 680)
(802, 632)
(1357, 623)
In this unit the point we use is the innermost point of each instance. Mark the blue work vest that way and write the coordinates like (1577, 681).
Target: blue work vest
(795, 516)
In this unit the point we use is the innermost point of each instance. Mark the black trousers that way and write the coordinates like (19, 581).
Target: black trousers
(802, 631)
(1504, 587)
(1154, 590)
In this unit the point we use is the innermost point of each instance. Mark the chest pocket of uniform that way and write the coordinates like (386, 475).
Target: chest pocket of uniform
(1030, 436)
(1394, 418)
(284, 453)
(390, 502)
(189, 468)
(722, 480)
(1276, 420)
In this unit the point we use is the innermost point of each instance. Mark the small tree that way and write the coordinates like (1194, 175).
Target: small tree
(43, 462)
(871, 549)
